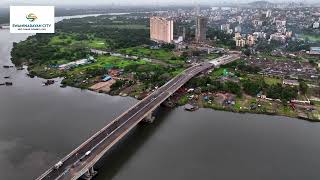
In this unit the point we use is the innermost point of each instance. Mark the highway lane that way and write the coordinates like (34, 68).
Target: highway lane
(75, 156)
(133, 120)
(111, 133)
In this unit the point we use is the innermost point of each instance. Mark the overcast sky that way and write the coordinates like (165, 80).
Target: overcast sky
(132, 2)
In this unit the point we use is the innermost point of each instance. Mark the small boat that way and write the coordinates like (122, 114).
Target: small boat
(2, 84)
(8, 83)
(48, 82)
(189, 107)
(6, 77)
(30, 75)
(20, 68)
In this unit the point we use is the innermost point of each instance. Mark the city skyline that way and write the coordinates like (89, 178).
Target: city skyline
(144, 2)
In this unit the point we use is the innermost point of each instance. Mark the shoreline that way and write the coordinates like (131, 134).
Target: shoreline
(181, 105)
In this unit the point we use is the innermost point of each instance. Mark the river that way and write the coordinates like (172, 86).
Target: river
(39, 125)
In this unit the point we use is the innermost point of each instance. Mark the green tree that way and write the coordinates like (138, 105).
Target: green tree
(303, 87)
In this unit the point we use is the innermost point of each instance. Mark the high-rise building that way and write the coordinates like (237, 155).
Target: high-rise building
(201, 29)
(237, 29)
(237, 36)
(161, 29)
(250, 40)
(240, 42)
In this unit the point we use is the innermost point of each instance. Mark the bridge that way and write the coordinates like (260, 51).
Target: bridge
(79, 163)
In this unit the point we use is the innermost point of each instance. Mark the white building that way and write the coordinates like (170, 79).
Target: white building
(225, 27)
(278, 37)
(261, 35)
(237, 29)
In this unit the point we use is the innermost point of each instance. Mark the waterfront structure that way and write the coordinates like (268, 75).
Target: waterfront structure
(161, 29)
(201, 30)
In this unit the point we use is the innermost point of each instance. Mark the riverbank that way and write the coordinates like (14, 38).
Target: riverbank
(212, 100)
(103, 57)
(248, 104)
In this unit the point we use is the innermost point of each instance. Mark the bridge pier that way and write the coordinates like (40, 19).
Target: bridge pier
(89, 174)
(149, 118)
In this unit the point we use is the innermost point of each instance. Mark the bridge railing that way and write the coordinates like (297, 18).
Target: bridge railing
(105, 127)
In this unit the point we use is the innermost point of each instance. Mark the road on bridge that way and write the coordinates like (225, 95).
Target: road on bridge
(77, 162)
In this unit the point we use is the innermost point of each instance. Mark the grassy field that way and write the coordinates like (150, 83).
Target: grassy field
(212, 56)
(97, 44)
(160, 54)
(275, 58)
(217, 73)
(183, 100)
(108, 61)
(272, 81)
(67, 41)
(313, 38)
(58, 40)
(126, 26)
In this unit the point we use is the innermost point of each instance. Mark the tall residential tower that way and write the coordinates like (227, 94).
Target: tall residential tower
(161, 29)
(201, 29)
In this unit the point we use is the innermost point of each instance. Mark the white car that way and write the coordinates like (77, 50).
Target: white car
(59, 164)
(87, 153)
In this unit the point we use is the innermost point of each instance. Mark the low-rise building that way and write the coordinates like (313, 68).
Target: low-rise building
(261, 35)
(73, 64)
(290, 82)
(314, 51)
(289, 34)
(278, 37)
(225, 27)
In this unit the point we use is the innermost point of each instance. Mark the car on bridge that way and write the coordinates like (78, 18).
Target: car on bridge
(87, 153)
(59, 164)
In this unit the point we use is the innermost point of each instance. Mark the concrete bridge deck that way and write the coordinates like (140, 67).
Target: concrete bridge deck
(77, 164)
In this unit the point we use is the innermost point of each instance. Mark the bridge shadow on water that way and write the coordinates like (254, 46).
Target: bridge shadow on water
(117, 156)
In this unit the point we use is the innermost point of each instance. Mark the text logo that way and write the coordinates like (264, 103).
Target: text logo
(31, 17)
